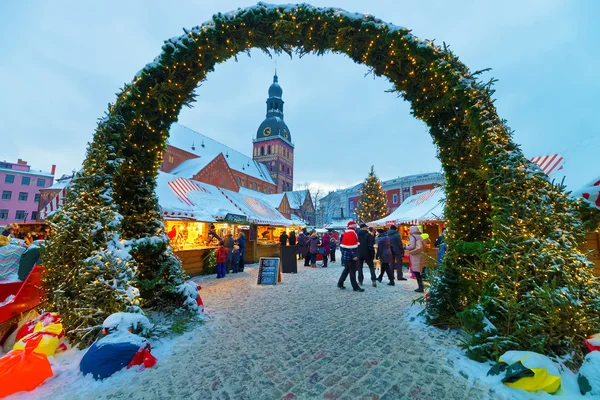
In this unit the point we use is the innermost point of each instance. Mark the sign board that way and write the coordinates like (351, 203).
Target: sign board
(269, 272)
(235, 218)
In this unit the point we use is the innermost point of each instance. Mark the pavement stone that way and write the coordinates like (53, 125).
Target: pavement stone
(304, 339)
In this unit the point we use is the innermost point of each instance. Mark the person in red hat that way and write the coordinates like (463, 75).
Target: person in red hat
(349, 248)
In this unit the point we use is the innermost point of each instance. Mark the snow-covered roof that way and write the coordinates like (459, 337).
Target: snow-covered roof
(426, 206)
(273, 199)
(257, 210)
(296, 220)
(58, 185)
(296, 198)
(196, 143)
(191, 167)
(338, 224)
(590, 193)
(182, 198)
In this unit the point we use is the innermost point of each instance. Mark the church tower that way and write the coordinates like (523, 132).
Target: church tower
(273, 144)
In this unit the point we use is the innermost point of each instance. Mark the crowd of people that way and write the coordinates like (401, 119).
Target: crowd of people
(359, 245)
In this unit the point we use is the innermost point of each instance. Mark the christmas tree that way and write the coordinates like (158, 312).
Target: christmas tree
(90, 273)
(372, 204)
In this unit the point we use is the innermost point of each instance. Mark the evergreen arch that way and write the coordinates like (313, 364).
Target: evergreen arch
(513, 236)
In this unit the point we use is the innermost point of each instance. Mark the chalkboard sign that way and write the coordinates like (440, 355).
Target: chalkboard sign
(269, 272)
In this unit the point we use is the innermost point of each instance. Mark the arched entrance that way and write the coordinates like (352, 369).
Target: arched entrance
(502, 212)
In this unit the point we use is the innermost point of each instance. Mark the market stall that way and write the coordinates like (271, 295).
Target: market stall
(425, 210)
(196, 216)
(591, 194)
(267, 224)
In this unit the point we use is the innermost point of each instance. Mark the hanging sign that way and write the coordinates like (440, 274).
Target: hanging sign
(269, 271)
(236, 218)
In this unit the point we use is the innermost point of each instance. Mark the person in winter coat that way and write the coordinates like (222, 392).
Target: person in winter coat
(397, 251)
(302, 244)
(326, 245)
(349, 247)
(416, 249)
(307, 258)
(313, 248)
(332, 248)
(221, 255)
(366, 252)
(292, 238)
(242, 244)
(441, 246)
(229, 243)
(235, 261)
(384, 255)
(283, 238)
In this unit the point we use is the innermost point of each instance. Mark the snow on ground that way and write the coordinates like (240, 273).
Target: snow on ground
(301, 339)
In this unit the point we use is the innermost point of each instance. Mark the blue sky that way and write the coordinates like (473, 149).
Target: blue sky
(63, 61)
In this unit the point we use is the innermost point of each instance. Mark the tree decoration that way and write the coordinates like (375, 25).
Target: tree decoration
(372, 204)
(512, 236)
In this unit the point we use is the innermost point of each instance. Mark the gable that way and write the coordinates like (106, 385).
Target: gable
(218, 173)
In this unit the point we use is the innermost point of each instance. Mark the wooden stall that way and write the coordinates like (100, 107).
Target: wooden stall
(593, 244)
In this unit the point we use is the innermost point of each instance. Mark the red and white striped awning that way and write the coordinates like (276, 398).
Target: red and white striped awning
(181, 187)
(55, 204)
(549, 164)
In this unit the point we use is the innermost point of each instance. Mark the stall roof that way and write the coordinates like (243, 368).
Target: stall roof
(590, 193)
(257, 210)
(426, 206)
(273, 199)
(338, 224)
(182, 198)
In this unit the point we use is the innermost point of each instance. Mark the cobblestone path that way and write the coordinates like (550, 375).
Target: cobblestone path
(304, 339)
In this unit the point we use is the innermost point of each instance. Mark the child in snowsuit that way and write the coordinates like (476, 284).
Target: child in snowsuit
(235, 261)
(221, 256)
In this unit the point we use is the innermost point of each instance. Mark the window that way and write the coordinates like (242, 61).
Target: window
(33, 216)
(351, 205)
(23, 196)
(262, 151)
(281, 167)
(37, 198)
(395, 198)
(6, 195)
(3, 214)
(5, 166)
(20, 216)
(41, 182)
(269, 190)
(9, 179)
(288, 170)
(25, 180)
(269, 150)
(238, 181)
(171, 159)
(254, 186)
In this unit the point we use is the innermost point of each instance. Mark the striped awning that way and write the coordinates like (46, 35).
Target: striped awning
(181, 187)
(549, 164)
(55, 204)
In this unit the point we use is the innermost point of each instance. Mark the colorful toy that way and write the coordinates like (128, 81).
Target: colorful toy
(527, 370)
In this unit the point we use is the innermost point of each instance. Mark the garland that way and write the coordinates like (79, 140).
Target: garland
(495, 196)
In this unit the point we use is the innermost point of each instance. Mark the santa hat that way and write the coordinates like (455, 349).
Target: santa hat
(350, 239)
(352, 225)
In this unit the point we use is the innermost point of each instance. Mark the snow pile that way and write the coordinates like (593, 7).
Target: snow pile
(477, 372)
(127, 322)
(589, 375)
